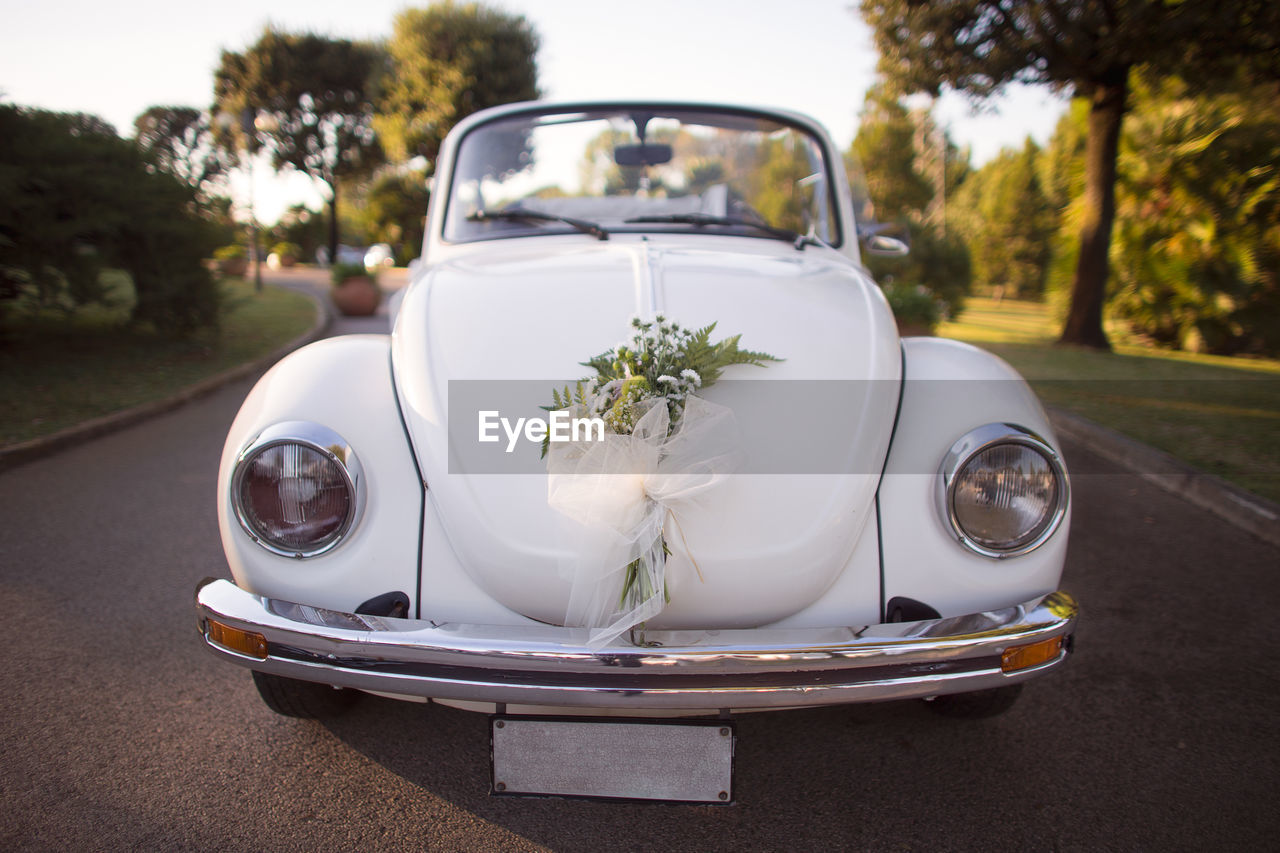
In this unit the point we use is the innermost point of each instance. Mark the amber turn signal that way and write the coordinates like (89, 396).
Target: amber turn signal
(242, 642)
(1021, 657)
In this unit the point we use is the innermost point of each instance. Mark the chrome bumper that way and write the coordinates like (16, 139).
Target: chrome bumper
(545, 665)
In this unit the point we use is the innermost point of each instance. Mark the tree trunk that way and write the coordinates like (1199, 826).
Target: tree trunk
(1089, 290)
(333, 222)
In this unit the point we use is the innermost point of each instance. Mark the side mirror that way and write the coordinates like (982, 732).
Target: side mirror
(884, 246)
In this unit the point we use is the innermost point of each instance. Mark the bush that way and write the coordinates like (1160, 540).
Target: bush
(914, 307)
(301, 227)
(937, 262)
(79, 200)
(165, 251)
(232, 259)
(342, 271)
(1196, 252)
(288, 250)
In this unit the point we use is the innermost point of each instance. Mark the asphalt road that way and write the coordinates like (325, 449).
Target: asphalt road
(118, 731)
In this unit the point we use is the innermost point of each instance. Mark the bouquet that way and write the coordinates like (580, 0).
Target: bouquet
(662, 443)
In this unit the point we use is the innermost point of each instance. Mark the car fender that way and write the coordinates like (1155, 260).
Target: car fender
(346, 385)
(950, 388)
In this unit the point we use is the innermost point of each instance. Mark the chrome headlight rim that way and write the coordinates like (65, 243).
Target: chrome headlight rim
(970, 445)
(327, 443)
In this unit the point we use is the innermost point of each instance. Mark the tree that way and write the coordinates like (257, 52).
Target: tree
(884, 147)
(309, 101)
(1197, 244)
(1008, 222)
(938, 263)
(303, 227)
(784, 163)
(979, 46)
(1061, 171)
(447, 61)
(395, 212)
(79, 199)
(58, 175)
(179, 140)
(894, 183)
(1197, 235)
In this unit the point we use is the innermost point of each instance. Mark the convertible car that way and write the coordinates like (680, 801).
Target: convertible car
(642, 451)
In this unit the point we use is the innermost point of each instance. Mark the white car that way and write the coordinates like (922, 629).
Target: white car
(345, 255)
(844, 516)
(379, 255)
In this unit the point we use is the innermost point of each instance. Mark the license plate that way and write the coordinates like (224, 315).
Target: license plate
(689, 762)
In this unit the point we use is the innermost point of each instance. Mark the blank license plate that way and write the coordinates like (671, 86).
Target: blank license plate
(624, 759)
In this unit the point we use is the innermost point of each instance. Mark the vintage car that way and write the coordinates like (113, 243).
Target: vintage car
(873, 517)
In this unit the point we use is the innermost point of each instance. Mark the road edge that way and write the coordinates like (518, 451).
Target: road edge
(36, 448)
(1242, 508)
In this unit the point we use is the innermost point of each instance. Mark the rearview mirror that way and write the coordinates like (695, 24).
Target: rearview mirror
(646, 154)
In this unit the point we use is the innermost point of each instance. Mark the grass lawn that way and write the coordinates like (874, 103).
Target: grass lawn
(56, 372)
(1221, 415)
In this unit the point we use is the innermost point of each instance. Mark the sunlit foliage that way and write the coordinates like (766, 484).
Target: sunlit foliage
(1090, 49)
(446, 62)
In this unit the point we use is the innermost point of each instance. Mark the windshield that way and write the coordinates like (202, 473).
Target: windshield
(640, 169)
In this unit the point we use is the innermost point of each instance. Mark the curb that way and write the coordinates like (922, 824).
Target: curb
(1245, 510)
(19, 454)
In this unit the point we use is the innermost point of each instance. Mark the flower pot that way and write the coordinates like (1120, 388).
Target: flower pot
(357, 297)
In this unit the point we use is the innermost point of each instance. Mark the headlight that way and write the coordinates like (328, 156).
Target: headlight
(1003, 490)
(297, 489)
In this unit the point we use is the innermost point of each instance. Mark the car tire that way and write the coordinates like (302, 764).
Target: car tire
(304, 699)
(976, 705)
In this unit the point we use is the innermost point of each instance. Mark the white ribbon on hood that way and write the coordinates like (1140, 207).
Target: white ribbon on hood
(620, 492)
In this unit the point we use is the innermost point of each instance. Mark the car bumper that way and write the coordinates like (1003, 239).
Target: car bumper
(711, 670)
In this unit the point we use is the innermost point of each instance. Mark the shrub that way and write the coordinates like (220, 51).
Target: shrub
(937, 262)
(288, 250)
(913, 305)
(78, 200)
(342, 271)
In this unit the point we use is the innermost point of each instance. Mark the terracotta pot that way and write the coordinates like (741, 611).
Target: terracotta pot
(357, 297)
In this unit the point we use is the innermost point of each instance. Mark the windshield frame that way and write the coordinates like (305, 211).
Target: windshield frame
(799, 123)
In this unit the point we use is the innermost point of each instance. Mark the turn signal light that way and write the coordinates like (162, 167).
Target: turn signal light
(246, 643)
(1021, 657)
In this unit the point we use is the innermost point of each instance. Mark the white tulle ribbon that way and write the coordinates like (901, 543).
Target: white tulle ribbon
(619, 491)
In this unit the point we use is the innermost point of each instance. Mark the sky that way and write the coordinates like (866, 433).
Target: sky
(814, 56)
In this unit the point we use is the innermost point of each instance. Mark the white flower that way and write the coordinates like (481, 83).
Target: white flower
(669, 380)
(692, 376)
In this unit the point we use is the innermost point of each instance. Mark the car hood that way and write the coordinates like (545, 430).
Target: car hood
(500, 326)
